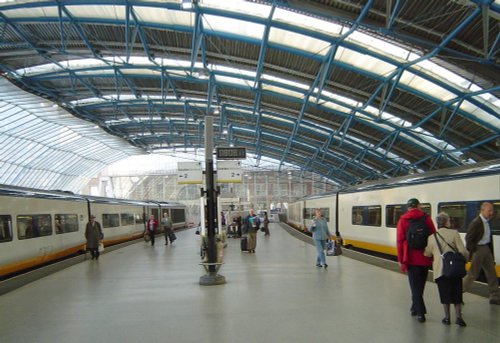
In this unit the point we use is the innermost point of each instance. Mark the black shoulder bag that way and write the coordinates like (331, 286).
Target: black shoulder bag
(453, 261)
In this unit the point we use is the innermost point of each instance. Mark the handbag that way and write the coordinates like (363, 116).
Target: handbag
(453, 261)
(330, 248)
(172, 236)
(101, 247)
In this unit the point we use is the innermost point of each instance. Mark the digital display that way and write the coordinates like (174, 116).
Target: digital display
(231, 153)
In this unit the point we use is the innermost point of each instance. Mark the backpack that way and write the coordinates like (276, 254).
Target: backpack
(417, 233)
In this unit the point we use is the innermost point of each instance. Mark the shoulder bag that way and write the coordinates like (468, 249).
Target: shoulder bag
(453, 261)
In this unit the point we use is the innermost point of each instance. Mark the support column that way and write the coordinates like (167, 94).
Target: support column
(212, 277)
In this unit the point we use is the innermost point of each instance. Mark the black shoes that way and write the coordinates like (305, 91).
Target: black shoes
(446, 321)
(460, 322)
(421, 318)
(318, 265)
(495, 301)
(325, 265)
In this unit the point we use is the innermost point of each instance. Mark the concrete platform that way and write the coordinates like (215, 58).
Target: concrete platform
(152, 294)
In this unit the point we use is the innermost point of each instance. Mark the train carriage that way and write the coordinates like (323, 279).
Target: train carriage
(38, 227)
(368, 213)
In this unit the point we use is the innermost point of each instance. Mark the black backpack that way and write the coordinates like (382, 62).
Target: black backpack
(417, 233)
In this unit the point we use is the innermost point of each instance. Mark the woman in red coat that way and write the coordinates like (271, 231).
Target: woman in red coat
(151, 226)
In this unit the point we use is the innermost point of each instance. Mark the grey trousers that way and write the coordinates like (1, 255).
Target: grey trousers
(482, 259)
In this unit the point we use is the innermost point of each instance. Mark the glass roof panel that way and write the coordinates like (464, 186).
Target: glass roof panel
(97, 12)
(239, 6)
(299, 41)
(281, 90)
(32, 12)
(467, 106)
(164, 16)
(379, 46)
(234, 81)
(307, 22)
(26, 129)
(425, 86)
(364, 62)
(237, 27)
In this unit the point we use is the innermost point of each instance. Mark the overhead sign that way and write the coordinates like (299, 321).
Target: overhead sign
(189, 173)
(231, 153)
(229, 172)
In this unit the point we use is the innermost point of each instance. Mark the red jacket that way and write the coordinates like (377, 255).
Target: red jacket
(155, 224)
(406, 256)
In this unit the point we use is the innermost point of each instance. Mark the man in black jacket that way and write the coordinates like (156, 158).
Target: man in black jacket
(480, 246)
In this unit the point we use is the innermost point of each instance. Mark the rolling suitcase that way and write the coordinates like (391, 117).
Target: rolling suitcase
(244, 243)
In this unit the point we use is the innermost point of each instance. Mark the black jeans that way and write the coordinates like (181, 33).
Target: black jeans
(152, 236)
(417, 276)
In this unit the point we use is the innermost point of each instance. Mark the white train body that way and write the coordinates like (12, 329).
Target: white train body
(37, 227)
(368, 213)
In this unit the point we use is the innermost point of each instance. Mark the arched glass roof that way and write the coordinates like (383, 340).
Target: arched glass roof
(350, 90)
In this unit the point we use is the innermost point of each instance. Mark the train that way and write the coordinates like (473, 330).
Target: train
(39, 227)
(365, 216)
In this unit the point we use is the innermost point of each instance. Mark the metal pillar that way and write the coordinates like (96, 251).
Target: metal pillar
(212, 277)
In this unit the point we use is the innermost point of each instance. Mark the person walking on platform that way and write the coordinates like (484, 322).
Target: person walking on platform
(151, 226)
(412, 232)
(251, 227)
(450, 289)
(266, 225)
(167, 224)
(479, 243)
(93, 235)
(320, 235)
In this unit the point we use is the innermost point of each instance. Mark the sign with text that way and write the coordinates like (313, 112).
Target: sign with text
(229, 172)
(189, 173)
(231, 153)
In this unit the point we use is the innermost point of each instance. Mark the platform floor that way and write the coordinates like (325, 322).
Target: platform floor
(152, 294)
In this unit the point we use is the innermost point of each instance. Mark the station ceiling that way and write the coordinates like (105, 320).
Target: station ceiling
(350, 90)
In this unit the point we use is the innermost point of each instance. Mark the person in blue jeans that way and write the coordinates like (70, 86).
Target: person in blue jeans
(320, 235)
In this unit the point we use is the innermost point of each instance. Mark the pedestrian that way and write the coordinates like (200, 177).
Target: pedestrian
(320, 235)
(93, 235)
(266, 225)
(450, 289)
(251, 225)
(151, 226)
(479, 243)
(412, 260)
(222, 219)
(167, 225)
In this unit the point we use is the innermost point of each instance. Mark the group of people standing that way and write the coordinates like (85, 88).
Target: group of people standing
(416, 262)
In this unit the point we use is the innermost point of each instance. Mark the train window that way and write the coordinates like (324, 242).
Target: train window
(426, 208)
(310, 213)
(139, 218)
(366, 215)
(457, 212)
(5, 228)
(178, 215)
(31, 226)
(66, 223)
(110, 220)
(392, 214)
(127, 219)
